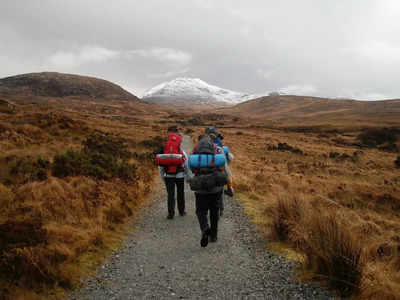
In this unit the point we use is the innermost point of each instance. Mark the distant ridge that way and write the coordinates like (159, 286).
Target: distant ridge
(303, 108)
(60, 85)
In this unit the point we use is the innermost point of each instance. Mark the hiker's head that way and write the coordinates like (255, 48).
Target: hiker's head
(173, 129)
(212, 132)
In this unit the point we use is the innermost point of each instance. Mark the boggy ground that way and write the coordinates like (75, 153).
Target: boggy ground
(162, 259)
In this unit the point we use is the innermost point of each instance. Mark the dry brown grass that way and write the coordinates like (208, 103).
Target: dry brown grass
(342, 212)
(55, 230)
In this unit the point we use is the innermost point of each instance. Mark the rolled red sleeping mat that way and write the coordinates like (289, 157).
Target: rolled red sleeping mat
(170, 159)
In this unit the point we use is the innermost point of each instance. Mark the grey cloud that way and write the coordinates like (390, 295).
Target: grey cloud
(87, 54)
(98, 54)
(168, 74)
(335, 48)
(164, 55)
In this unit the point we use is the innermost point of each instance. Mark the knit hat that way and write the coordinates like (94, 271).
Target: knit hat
(212, 132)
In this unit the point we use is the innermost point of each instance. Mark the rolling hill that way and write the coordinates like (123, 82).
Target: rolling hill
(313, 109)
(28, 87)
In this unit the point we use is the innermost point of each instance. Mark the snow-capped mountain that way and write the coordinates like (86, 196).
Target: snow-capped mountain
(193, 90)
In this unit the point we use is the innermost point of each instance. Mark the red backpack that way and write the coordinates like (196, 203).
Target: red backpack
(173, 145)
(172, 156)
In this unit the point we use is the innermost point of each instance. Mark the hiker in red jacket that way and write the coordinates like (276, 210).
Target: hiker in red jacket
(173, 170)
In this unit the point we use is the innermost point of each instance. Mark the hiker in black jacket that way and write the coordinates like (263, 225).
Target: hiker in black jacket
(208, 199)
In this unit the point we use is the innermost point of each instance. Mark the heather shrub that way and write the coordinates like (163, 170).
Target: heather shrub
(92, 164)
(191, 122)
(154, 143)
(6, 197)
(68, 164)
(125, 171)
(17, 239)
(106, 144)
(144, 157)
(377, 136)
(20, 170)
(334, 154)
(284, 147)
(103, 157)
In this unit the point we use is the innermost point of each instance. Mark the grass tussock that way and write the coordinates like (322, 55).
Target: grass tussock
(285, 217)
(331, 251)
(335, 254)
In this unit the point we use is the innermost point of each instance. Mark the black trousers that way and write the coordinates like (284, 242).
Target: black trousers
(205, 203)
(170, 183)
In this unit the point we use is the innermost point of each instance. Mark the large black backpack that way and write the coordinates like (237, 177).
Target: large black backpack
(206, 146)
(207, 178)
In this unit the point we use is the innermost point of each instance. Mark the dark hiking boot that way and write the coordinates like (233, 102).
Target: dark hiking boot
(182, 214)
(213, 239)
(204, 238)
(229, 192)
(170, 217)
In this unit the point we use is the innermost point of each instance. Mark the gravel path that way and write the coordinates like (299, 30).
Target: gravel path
(162, 259)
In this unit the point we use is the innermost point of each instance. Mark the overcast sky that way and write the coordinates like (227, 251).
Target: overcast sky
(342, 48)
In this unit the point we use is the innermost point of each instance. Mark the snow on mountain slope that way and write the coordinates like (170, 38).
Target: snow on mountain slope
(195, 89)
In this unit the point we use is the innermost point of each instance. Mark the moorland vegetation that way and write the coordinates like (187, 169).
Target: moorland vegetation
(329, 193)
(74, 173)
(71, 179)
(338, 204)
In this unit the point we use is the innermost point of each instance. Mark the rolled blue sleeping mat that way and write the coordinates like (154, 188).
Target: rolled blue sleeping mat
(205, 160)
(226, 149)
